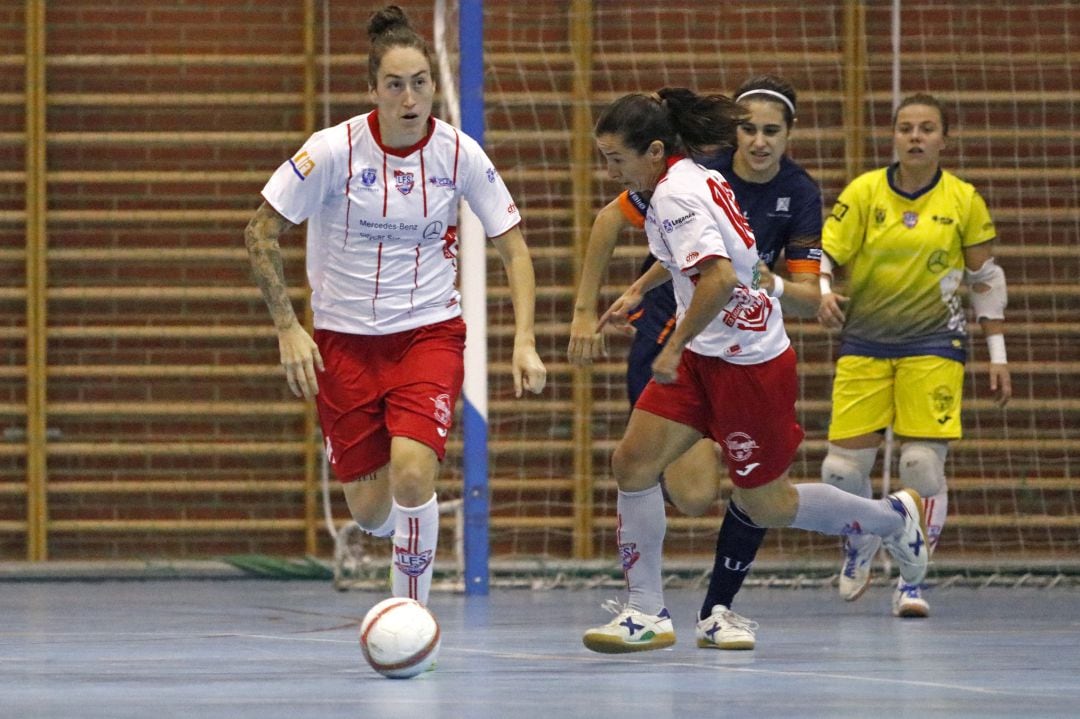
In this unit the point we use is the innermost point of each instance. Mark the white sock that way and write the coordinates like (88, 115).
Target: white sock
(826, 509)
(849, 470)
(386, 529)
(640, 534)
(416, 534)
(936, 508)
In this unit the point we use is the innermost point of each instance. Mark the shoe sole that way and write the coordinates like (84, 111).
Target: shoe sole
(614, 645)
(912, 611)
(733, 646)
(852, 596)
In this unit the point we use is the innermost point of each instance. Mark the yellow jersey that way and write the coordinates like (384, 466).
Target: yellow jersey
(904, 259)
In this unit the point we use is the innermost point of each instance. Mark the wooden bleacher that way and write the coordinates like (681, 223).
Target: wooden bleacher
(171, 430)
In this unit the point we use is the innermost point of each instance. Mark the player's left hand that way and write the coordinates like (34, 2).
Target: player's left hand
(665, 367)
(586, 344)
(1000, 383)
(529, 371)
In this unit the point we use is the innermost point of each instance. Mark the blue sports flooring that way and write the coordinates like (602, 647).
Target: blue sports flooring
(261, 649)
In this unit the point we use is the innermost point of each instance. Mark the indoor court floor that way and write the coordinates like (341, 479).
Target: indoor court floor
(261, 649)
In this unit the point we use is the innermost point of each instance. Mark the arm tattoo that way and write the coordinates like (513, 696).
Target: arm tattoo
(261, 238)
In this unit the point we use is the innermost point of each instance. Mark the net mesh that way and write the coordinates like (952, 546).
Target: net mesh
(1006, 74)
(160, 133)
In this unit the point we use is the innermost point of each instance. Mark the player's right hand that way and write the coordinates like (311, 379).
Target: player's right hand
(300, 357)
(829, 313)
(618, 315)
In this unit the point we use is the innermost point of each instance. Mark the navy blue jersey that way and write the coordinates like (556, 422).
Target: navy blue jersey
(785, 212)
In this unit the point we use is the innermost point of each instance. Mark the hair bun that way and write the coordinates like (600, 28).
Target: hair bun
(386, 20)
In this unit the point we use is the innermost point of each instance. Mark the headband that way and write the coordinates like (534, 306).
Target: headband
(782, 97)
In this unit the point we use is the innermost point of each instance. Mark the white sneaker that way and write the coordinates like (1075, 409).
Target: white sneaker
(907, 601)
(859, 553)
(724, 629)
(630, 631)
(908, 546)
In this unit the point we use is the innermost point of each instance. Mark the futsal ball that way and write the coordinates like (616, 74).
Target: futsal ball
(400, 638)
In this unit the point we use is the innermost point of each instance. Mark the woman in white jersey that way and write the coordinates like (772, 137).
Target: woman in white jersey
(727, 371)
(783, 205)
(380, 193)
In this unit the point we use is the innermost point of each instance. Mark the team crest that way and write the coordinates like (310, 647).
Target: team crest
(629, 555)
(442, 409)
(783, 204)
(911, 219)
(740, 446)
(879, 215)
(412, 564)
(942, 398)
(367, 176)
(404, 181)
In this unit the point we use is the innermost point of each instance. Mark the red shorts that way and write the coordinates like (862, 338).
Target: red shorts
(749, 410)
(380, 386)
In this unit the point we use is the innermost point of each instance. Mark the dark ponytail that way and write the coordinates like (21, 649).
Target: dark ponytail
(679, 118)
(704, 123)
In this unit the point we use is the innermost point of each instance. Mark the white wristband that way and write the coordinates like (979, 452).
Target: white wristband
(996, 345)
(825, 283)
(777, 286)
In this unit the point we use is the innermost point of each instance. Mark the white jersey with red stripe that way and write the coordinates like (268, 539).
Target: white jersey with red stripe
(382, 222)
(693, 216)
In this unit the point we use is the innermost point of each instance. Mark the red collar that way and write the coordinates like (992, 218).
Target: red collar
(373, 123)
(667, 166)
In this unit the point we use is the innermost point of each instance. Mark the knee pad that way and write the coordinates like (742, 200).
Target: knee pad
(922, 467)
(849, 469)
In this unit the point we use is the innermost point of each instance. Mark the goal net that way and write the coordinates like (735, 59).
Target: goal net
(1008, 75)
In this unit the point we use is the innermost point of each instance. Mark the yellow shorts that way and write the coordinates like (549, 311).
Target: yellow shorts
(919, 396)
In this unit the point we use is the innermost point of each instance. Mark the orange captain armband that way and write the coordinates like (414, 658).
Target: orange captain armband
(810, 267)
(633, 208)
